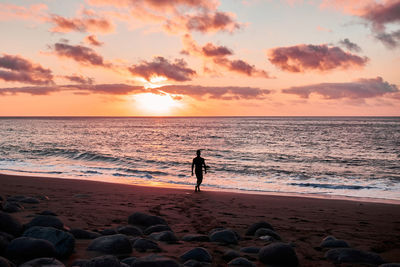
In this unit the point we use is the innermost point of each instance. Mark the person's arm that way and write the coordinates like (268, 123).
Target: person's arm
(205, 167)
(192, 167)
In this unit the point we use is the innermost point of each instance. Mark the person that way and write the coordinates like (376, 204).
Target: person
(198, 163)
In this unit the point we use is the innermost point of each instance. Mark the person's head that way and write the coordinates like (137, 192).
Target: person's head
(198, 152)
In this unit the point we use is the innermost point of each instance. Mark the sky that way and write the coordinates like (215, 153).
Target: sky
(200, 58)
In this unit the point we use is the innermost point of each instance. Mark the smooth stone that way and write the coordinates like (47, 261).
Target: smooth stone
(79, 263)
(109, 231)
(196, 238)
(194, 263)
(104, 261)
(165, 236)
(46, 221)
(27, 248)
(47, 212)
(129, 230)
(230, 255)
(84, 234)
(351, 255)
(198, 254)
(5, 263)
(9, 224)
(142, 245)
(15, 198)
(146, 220)
(129, 260)
(250, 250)
(12, 207)
(63, 242)
(156, 228)
(155, 261)
(390, 265)
(241, 262)
(332, 242)
(30, 200)
(111, 244)
(254, 227)
(224, 236)
(43, 262)
(3, 244)
(280, 254)
(267, 232)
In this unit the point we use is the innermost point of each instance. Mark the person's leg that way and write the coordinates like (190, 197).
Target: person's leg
(199, 180)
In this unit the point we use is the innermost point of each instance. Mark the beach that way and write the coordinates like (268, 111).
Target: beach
(302, 222)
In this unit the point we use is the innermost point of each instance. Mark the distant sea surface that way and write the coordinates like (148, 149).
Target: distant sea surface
(325, 156)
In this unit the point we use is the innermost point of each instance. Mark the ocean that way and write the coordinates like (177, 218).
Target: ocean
(321, 156)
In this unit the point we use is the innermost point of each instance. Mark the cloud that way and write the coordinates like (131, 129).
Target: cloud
(301, 58)
(350, 45)
(85, 24)
(92, 40)
(81, 54)
(18, 69)
(360, 89)
(79, 79)
(32, 12)
(241, 66)
(390, 40)
(211, 50)
(176, 71)
(381, 13)
(212, 22)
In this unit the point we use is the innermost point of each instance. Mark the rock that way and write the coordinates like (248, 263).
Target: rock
(142, 245)
(351, 255)
(111, 244)
(63, 242)
(332, 242)
(3, 244)
(254, 227)
(198, 254)
(241, 262)
(104, 261)
(46, 221)
(30, 200)
(27, 248)
(15, 198)
(196, 238)
(129, 260)
(47, 212)
(156, 228)
(109, 231)
(280, 254)
(230, 255)
(155, 261)
(390, 265)
(165, 236)
(5, 263)
(250, 250)
(224, 236)
(12, 207)
(194, 263)
(79, 263)
(265, 231)
(9, 224)
(143, 219)
(129, 230)
(43, 262)
(84, 234)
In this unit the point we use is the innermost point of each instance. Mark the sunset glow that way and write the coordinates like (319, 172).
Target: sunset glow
(152, 104)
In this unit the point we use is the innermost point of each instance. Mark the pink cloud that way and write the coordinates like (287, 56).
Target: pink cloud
(350, 45)
(241, 66)
(79, 79)
(18, 69)
(211, 50)
(85, 24)
(300, 58)
(32, 12)
(212, 22)
(92, 40)
(81, 54)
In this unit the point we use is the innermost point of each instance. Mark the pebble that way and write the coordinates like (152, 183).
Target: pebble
(198, 254)
(111, 244)
(254, 227)
(43, 262)
(146, 220)
(278, 254)
(351, 255)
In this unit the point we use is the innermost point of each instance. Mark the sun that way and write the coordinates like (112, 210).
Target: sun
(154, 104)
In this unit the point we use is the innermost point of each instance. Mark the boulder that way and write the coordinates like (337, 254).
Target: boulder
(165, 236)
(30, 200)
(12, 207)
(194, 263)
(267, 232)
(104, 261)
(84, 234)
(43, 262)
(230, 255)
(225, 236)
(146, 220)
(111, 244)
(198, 254)
(63, 242)
(250, 250)
(79, 263)
(241, 262)
(156, 228)
(254, 227)
(129, 230)
(332, 242)
(196, 238)
(155, 261)
(3, 244)
(46, 221)
(280, 254)
(128, 261)
(5, 263)
(109, 231)
(351, 255)
(27, 248)
(142, 245)
(9, 224)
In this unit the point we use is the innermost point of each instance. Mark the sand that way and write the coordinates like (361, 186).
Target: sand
(301, 221)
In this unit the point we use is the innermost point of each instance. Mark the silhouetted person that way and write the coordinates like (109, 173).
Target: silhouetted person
(198, 163)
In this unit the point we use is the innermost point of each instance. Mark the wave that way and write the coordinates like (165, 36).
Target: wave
(332, 186)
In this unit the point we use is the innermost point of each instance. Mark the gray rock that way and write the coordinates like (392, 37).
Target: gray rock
(254, 227)
(79, 263)
(129, 230)
(351, 255)
(12, 207)
(3, 244)
(109, 231)
(155, 261)
(230, 255)
(265, 231)
(5, 263)
(142, 245)
(104, 261)
(280, 254)
(128, 261)
(194, 263)
(250, 250)
(196, 238)
(27, 248)
(225, 236)
(390, 265)
(9, 224)
(46, 221)
(332, 242)
(165, 236)
(198, 254)
(63, 242)
(47, 212)
(30, 200)
(111, 244)
(146, 220)
(43, 262)
(241, 262)
(84, 234)
(156, 228)
(15, 198)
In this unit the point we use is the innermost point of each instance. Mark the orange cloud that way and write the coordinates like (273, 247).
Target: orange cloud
(92, 40)
(32, 12)
(86, 24)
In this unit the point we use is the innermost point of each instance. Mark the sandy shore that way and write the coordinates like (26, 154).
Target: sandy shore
(304, 222)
